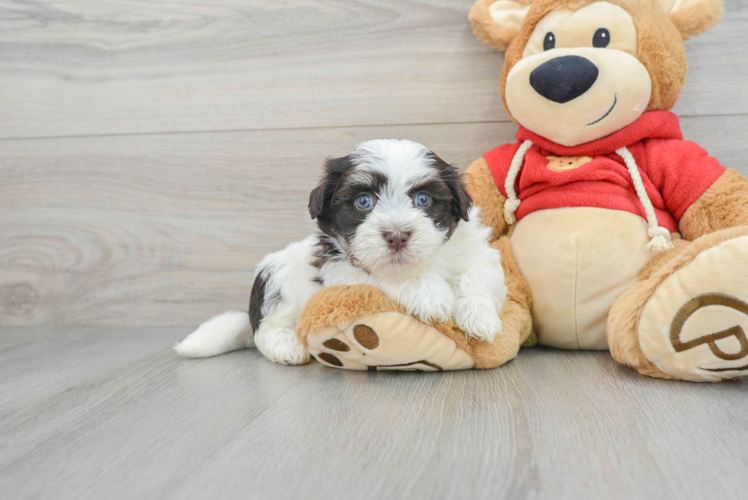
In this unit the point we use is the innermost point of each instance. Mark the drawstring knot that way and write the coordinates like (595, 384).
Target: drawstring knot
(660, 239)
(510, 206)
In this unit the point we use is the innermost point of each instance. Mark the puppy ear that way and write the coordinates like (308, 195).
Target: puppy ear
(694, 17)
(322, 197)
(461, 200)
(497, 23)
(317, 200)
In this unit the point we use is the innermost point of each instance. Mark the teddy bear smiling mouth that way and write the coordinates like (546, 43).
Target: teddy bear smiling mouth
(615, 102)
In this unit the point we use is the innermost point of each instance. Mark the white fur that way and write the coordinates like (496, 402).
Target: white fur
(405, 165)
(290, 275)
(436, 277)
(228, 332)
(462, 279)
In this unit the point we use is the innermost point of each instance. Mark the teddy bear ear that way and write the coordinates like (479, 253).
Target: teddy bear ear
(694, 17)
(498, 22)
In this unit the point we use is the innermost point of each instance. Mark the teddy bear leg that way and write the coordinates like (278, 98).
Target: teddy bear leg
(359, 328)
(687, 317)
(516, 315)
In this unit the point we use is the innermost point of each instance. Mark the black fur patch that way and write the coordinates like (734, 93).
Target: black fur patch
(440, 209)
(320, 199)
(450, 199)
(324, 252)
(333, 201)
(345, 217)
(256, 301)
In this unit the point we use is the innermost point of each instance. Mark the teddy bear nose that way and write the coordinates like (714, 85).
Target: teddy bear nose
(563, 79)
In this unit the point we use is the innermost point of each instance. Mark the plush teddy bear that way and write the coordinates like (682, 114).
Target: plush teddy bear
(615, 233)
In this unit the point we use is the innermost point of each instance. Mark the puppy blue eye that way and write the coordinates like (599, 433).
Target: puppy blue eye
(423, 200)
(364, 201)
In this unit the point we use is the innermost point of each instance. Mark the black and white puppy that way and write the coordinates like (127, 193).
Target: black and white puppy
(391, 214)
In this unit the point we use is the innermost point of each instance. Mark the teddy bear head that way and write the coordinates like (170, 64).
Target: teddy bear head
(579, 70)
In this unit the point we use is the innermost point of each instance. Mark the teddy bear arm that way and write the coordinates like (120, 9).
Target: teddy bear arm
(359, 328)
(724, 205)
(486, 196)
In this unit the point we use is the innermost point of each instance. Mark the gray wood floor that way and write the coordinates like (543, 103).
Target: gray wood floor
(152, 152)
(112, 413)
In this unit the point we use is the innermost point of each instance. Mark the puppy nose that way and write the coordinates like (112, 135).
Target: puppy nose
(396, 240)
(563, 79)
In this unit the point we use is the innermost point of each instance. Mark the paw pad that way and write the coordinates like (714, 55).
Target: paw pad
(329, 358)
(366, 336)
(336, 345)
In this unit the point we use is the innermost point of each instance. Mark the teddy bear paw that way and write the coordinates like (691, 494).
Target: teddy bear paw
(387, 341)
(694, 325)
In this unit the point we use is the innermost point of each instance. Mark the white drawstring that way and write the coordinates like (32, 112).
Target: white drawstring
(660, 237)
(512, 202)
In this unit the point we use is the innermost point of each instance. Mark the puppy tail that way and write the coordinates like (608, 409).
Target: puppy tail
(227, 332)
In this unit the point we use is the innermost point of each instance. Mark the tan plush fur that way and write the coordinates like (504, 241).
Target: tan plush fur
(625, 314)
(698, 17)
(660, 46)
(719, 214)
(339, 305)
(486, 195)
(660, 259)
(723, 205)
(623, 322)
(519, 294)
(487, 31)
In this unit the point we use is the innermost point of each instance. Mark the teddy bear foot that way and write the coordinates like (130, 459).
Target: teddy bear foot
(387, 341)
(693, 322)
(359, 328)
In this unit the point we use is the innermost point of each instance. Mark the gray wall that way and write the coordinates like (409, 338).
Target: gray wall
(151, 154)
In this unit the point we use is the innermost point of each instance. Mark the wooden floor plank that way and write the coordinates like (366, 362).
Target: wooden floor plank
(551, 424)
(130, 418)
(166, 230)
(129, 66)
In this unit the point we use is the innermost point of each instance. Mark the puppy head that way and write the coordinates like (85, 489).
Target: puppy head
(389, 204)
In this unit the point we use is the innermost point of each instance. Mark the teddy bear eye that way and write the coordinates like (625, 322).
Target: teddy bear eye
(601, 38)
(550, 41)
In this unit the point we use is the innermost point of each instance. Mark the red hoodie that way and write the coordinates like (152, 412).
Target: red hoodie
(675, 172)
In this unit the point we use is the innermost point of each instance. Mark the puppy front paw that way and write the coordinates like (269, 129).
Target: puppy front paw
(438, 308)
(281, 346)
(478, 320)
